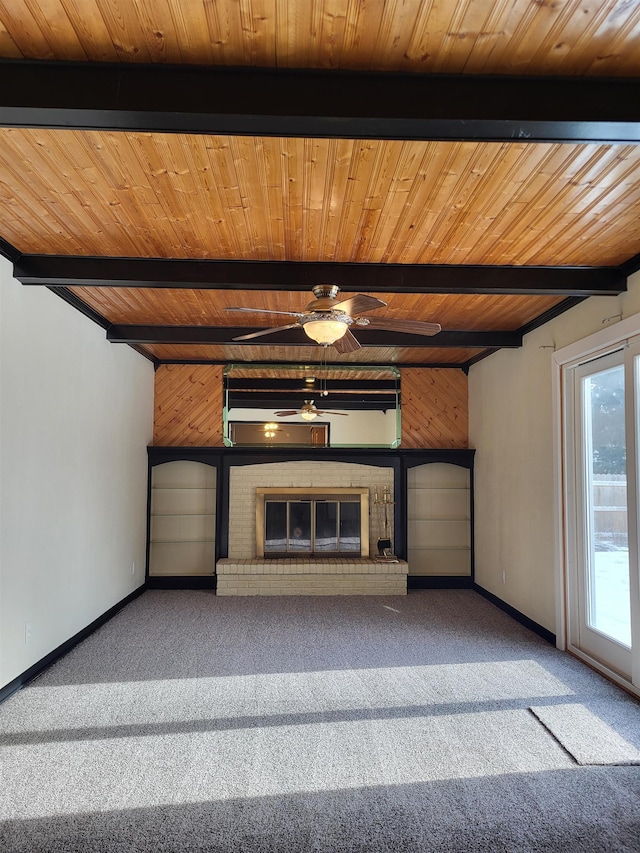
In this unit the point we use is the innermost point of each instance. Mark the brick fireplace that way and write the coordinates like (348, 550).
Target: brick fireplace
(244, 572)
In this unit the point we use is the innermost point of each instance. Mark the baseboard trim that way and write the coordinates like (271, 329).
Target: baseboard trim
(516, 614)
(439, 582)
(179, 582)
(35, 670)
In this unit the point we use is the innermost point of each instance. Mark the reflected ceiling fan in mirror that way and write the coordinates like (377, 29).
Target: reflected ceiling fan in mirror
(327, 319)
(308, 412)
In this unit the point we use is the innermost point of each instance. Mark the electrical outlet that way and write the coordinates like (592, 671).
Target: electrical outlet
(504, 577)
(133, 568)
(27, 632)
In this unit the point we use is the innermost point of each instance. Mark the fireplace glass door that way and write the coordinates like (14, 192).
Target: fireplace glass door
(311, 527)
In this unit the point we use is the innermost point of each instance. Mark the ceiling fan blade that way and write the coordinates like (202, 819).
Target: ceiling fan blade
(322, 412)
(267, 311)
(410, 327)
(268, 331)
(347, 343)
(359, 303)
(286, 414)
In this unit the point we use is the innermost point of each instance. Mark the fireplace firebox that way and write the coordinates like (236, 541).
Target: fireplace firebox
(298, 522)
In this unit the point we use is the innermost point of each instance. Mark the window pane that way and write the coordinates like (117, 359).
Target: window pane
(300, 526)
(275, 514)
(349, 526)
(327, 526)
(608, 598)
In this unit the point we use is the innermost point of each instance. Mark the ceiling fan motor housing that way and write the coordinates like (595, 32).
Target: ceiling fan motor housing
(326, 296)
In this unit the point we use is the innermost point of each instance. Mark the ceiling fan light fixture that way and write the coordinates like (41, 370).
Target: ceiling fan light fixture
(308, 416)
(326, 330)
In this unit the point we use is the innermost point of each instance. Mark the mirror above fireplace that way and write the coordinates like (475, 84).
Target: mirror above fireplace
(267, 405)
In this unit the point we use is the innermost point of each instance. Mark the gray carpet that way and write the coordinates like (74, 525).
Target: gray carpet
(197, 723)
(588, 737)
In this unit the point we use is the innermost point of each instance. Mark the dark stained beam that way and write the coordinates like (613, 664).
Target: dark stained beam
(146, 335)
(412, 365)
(372, 402)
(360, 386)
(318, 103)
(8, 251)
(67, 271)
(631, 266)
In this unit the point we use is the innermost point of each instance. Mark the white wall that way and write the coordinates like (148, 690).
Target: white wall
(76, 415)
(511, 427)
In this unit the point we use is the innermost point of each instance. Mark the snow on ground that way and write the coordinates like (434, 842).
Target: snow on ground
(611, 597)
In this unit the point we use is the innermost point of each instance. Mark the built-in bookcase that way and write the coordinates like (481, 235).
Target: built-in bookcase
(183, 519)
(439, 520)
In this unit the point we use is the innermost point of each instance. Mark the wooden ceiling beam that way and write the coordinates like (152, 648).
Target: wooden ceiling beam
(318, 103)
(361, 386)
(147, 335)
(61, 270)
(286, 401)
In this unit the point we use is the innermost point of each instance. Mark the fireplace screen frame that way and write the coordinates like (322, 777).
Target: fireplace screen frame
(312, 494)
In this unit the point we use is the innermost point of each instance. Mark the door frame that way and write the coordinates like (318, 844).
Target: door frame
(626, 333)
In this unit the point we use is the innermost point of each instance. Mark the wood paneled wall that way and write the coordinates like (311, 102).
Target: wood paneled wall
(189, 402)
(188, 405)
(434, 408)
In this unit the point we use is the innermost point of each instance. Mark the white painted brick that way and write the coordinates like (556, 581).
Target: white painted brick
(245, 479)
(313, 584)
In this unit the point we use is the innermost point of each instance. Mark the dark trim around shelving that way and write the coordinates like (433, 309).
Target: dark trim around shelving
(182, 582)
(439, 582)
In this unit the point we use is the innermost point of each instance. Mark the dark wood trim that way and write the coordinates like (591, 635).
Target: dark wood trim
(462, 457)
(432, 365)
(379, 456)
(401, 515)
(181, 582)
(344, 402)
(222, 512)
(439, 582)
(9, 251)
(631, 266)
(354, 386)
(541, 631)
(38, 667)
(472, 521)
(551, 314)
(480, 357)
(142, 351)
(148, 335)
(223, 499)
(157, 454)
(344, 104)
(147, 556)
(77, 303)
(225, 458)
(303, 275)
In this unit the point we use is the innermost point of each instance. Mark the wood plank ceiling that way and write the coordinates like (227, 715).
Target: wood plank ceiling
(474, 164)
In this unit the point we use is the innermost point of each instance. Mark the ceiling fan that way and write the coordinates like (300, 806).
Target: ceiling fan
(327, 319)
(308, 412)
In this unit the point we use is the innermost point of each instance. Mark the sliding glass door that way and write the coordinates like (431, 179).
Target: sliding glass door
(600, 603)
